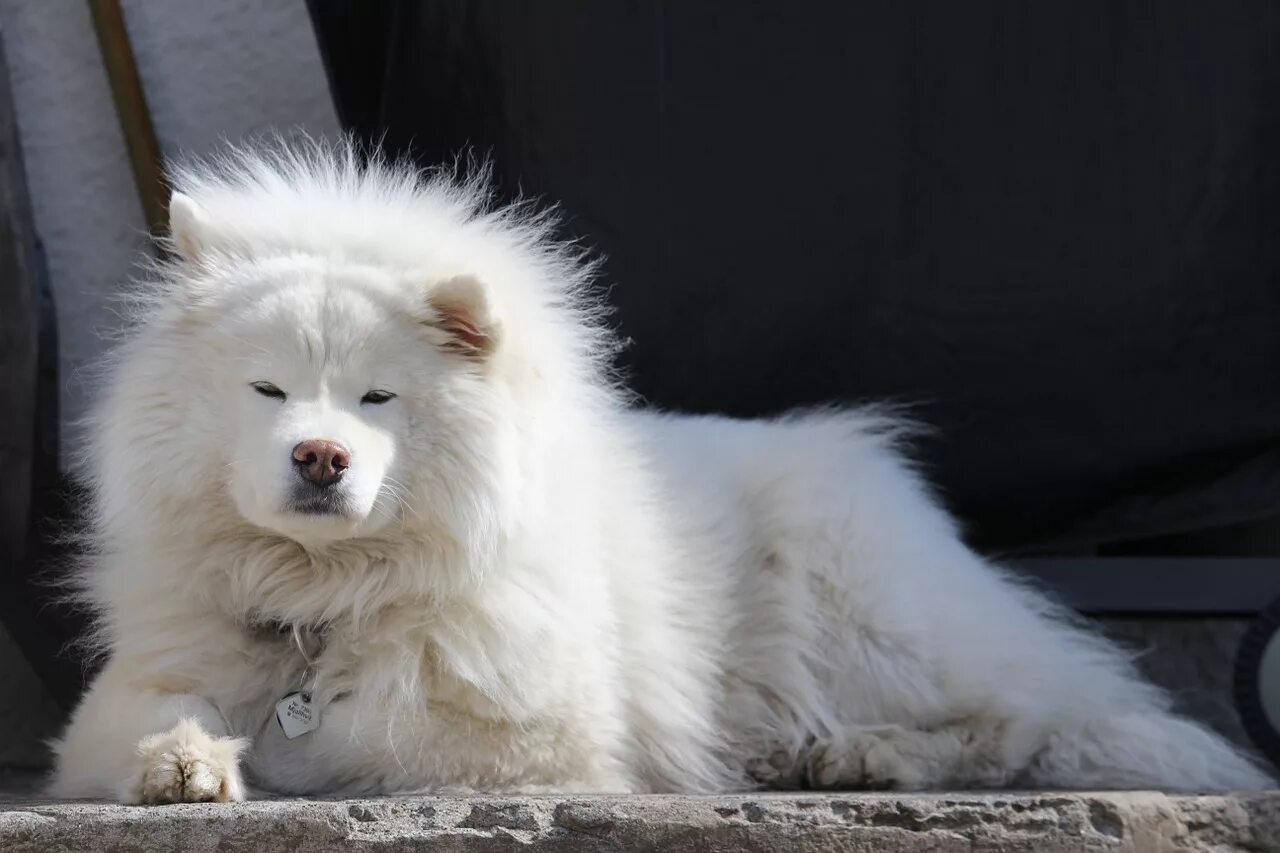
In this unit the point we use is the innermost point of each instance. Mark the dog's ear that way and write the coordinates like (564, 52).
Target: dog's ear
(188, 227)
(461, 308)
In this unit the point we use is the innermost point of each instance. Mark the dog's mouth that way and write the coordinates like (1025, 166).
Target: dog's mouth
(313, 501)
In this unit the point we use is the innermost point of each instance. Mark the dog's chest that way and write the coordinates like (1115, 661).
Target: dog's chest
(414, 699)
(426, 727)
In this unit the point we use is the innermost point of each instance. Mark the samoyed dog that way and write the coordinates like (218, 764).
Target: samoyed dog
(370, 514)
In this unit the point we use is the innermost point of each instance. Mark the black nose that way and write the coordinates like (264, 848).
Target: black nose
(321, 461)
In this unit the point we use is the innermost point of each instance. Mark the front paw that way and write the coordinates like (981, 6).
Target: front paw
(188, 765)
(876, 758)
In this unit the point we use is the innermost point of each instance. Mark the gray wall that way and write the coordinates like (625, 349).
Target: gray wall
(211, 70)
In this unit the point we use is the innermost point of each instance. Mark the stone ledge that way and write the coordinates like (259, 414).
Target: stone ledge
(1032, 822)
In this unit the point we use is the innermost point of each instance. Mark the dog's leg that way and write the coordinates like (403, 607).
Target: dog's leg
(188, 765)
(145, 746)
(1141, 749)
(904, 624)
(965, 754)
(1122, 750)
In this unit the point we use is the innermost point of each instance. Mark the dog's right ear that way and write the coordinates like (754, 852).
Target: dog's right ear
(188, 227)
(461, 307)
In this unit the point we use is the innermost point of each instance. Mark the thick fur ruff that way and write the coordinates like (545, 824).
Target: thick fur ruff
(516, 581)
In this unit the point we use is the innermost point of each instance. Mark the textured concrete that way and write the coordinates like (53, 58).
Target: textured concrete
(1036, 823)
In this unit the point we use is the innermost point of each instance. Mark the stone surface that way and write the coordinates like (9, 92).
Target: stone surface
(1032, 822)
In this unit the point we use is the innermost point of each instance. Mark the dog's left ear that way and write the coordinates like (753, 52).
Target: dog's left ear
(461, 307)
(189, 228)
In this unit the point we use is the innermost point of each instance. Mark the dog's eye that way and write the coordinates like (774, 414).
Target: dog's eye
(266, 389)
(377, 397)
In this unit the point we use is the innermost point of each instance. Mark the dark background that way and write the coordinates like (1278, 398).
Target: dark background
(1052, 226)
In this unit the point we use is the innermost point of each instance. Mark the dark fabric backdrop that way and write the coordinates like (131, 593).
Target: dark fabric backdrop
(1053, 225)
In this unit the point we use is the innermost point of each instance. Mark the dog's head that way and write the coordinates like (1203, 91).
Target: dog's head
(327, 390)
(339, 393)
(371, 361)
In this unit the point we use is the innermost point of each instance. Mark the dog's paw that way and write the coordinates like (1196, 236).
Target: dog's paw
(869, 758)
(187, 765)
(780, 770)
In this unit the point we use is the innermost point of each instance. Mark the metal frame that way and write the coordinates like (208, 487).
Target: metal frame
(1163, 586)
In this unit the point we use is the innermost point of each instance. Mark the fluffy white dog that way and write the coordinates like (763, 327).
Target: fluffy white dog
(370, 515)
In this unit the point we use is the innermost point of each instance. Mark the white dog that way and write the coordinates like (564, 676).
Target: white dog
(370, 515)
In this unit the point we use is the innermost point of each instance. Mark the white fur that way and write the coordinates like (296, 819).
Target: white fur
(530, 586)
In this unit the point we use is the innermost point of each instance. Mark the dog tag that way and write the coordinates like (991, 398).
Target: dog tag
(296, 715)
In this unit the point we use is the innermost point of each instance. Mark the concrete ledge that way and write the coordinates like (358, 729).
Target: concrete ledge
(1032, 822)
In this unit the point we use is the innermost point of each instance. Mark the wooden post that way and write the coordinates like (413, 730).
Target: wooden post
(145, 155)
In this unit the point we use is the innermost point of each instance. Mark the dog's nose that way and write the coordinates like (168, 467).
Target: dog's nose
(321, 461)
